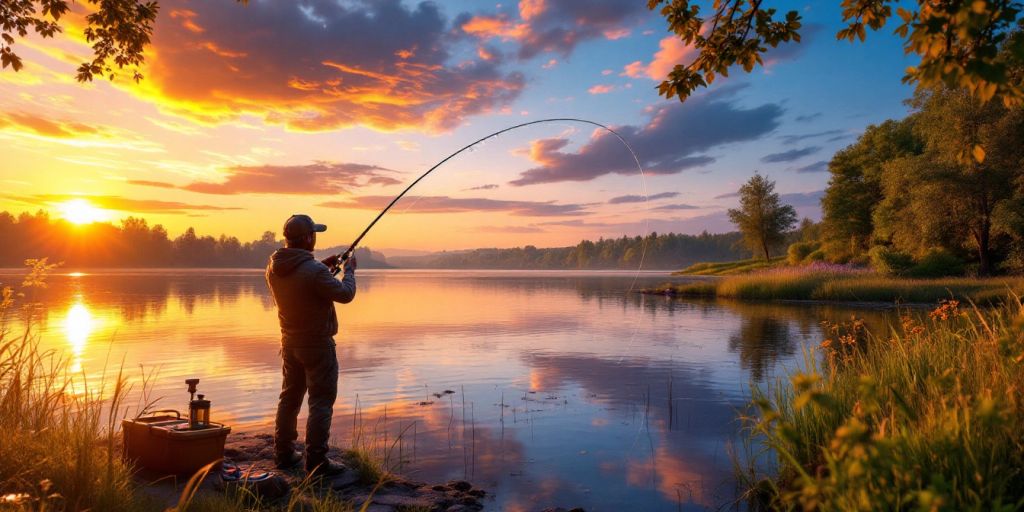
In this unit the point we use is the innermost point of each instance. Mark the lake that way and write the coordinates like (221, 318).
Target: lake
(563, 388)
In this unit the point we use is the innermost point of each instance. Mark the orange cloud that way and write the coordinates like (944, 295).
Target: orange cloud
(601, 89)
(45, 127)
(530, 8)
(381, 66)
(671, 51)
(495, 26)
(320, 178)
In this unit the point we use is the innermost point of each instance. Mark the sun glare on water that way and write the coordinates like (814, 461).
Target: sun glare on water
(81, 211)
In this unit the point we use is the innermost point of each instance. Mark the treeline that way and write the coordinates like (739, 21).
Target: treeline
(133, 243)
(669, 251)
(939, 192)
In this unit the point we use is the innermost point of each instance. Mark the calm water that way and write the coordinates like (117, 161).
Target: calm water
(568, 391)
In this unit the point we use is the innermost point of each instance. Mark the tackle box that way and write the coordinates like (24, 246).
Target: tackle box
(162, 441)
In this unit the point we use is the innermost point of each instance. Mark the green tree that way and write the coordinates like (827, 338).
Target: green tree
(949, 194)
(957, 41)
(762, 218)
(855, 186)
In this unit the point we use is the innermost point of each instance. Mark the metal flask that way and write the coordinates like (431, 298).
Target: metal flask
(199, 413)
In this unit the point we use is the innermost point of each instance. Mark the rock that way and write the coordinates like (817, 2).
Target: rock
(478, 493)
(347, 479)
(397, 500)
(458, 508)
(460, 485)
(439, 488)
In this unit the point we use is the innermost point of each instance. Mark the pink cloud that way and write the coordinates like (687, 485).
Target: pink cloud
(550, 64)
(671, 51)
(617, 33)
(601, 89)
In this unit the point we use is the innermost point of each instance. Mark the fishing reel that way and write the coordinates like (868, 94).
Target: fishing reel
(341, 261)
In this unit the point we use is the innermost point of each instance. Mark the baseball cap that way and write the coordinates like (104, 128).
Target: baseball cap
(300, 225)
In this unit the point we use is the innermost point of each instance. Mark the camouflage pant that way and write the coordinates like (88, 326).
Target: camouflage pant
(312, 369)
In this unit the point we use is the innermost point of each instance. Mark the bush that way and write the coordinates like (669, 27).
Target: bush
(798, 252)
(818, 255)
(938, 263)
(889, 261)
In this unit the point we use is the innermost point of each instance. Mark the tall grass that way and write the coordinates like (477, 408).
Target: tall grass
(726, 268)
(927, 417)
(826, 284)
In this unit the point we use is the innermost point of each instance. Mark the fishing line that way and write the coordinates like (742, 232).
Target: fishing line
(643, 185)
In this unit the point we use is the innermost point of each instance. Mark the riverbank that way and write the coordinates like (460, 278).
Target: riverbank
(843, 286)
(925, 417)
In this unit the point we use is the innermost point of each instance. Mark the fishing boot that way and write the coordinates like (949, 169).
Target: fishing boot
(287, 460)
(326, 469)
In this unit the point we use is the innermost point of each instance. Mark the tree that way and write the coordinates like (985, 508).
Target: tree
(958, 41)
(118, 30)
(949, 195)
(855, 186)
(762, 218)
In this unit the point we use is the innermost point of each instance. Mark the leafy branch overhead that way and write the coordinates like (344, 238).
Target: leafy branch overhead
(962, 44)
(117, 30)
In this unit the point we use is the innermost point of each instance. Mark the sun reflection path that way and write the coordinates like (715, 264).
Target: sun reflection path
(78, 326)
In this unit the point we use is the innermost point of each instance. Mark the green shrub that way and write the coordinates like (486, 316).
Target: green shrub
(818, 255)
(889, 261)
(938, 263)
(798, 252)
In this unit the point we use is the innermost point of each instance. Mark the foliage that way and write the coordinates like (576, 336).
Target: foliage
(798, 252)
(949, 176)
(658, 251)
(762, 218)
(958, 42)
(938, 262)
(891, 262)
(925, 418)
(854, 186)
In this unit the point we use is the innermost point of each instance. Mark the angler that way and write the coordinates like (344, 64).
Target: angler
(305, 291)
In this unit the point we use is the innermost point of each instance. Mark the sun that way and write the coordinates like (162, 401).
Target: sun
(81, 211)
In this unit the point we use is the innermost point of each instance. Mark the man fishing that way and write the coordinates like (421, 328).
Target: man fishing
(305, 291)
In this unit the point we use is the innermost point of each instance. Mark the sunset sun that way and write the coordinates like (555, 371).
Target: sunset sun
(81, 211)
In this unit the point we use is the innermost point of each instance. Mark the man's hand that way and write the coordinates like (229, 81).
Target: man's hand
(331, 261)
(350, 264)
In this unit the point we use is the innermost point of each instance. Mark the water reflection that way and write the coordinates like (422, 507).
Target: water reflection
(568, 391)
(79, 323)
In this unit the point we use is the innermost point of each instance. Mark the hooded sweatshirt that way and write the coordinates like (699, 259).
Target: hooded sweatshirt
(305, 292)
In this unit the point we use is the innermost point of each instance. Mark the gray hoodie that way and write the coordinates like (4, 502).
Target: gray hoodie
(305, 293)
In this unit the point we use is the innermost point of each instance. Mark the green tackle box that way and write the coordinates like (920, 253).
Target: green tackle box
(162, 441)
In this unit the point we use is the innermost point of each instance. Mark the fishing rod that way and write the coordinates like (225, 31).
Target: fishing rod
(343, 257)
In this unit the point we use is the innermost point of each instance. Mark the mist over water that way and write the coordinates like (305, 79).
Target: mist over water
(568, 390)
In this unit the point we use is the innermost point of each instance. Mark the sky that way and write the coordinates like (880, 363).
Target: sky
(250, 113)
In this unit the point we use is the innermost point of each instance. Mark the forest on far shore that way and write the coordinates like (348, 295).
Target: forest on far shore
(135, 244)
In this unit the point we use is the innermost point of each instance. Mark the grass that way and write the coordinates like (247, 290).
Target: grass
(728, 268)
(846, 285)
(59, 433)
(926, 417)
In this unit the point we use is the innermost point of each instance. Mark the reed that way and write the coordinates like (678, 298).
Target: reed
(926, 417)
(845, 285)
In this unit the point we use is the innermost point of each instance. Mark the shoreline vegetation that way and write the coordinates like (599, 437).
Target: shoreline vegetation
(831, 283)
(924, 417)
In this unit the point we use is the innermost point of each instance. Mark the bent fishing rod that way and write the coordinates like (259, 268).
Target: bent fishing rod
(343, 257)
